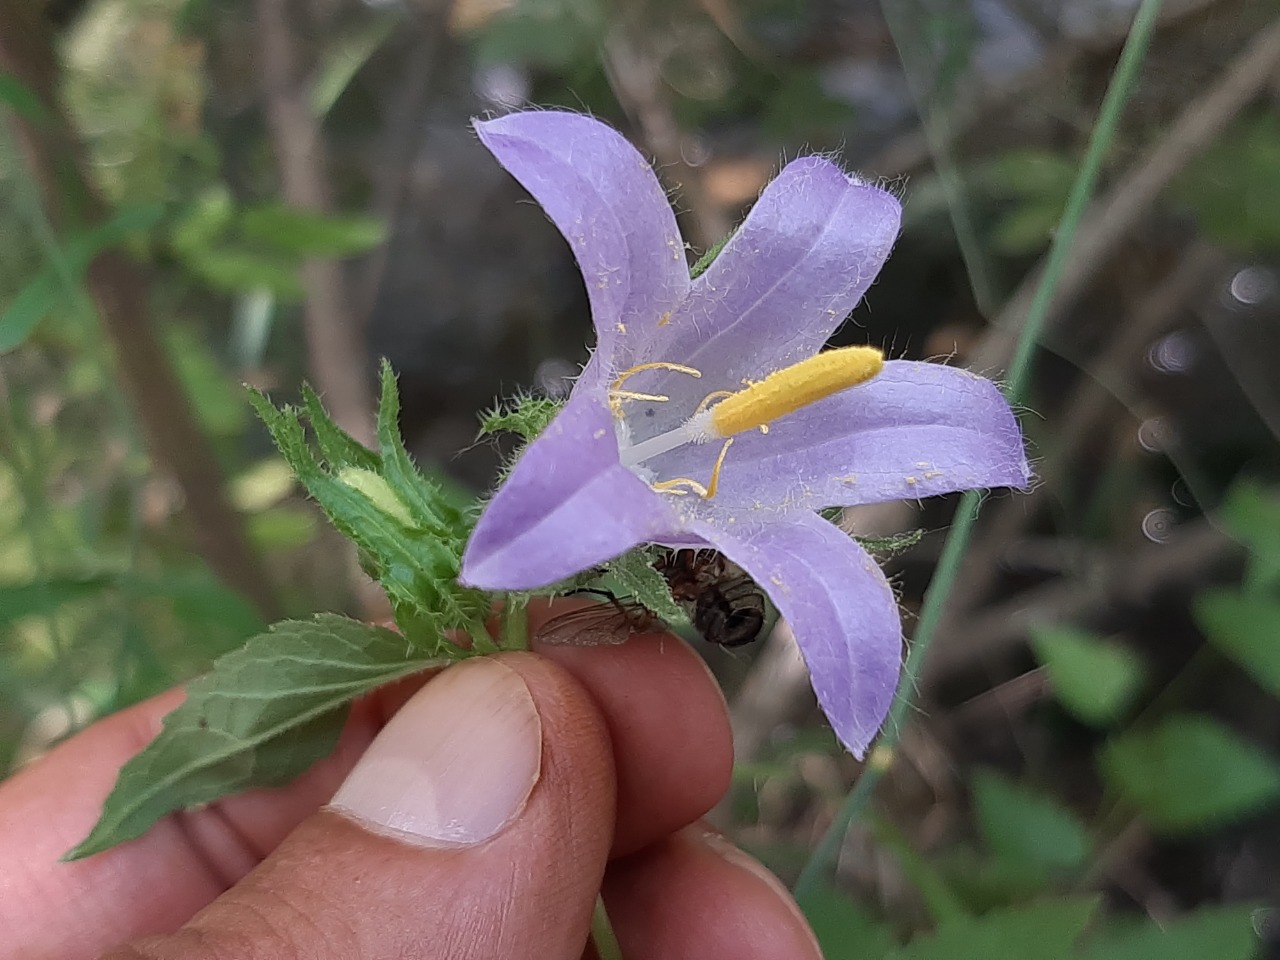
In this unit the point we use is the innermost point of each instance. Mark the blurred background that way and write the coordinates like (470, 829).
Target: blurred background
(198, 194)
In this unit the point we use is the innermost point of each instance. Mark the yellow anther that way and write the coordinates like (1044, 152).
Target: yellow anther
(787, 390)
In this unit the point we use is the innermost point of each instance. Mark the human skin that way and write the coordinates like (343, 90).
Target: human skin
(632, 746)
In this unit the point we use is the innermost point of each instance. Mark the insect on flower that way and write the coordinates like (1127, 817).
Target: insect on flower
(710, 418)
(724, 605)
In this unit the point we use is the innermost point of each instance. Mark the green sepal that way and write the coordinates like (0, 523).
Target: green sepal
(892, 545)
(524, 415)
(261, 717)
(703, 262)
(409, 532)
(632, 575)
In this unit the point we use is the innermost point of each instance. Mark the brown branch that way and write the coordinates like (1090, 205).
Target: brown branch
(1112, 217)
(118, 285)
(635, 80)
(335, 351)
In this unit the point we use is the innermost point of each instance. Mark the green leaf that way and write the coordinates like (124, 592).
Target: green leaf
(1251, 515)
(524, 415)
(308, 234)
(341, 63)
(45, 597)
(1038, 931)
(1191, 773)
(703, 262)
(1233, 189)
(1244, 626)
(240, 271)
(844, 930)
(1023, 826)
(33, 303)
(52, 287)
(632, 575)
(21, 98)
(266, 713)
(1094, 679)
(1222, 933)
(410, 532)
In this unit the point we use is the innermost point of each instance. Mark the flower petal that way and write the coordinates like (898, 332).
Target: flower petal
(567, 506)
(840, 608)
(916, 430)
(797, 266)
(602, 195)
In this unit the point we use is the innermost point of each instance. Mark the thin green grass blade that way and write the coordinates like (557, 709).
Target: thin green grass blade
(1123, 82)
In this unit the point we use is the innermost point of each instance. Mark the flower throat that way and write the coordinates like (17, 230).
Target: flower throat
(723, 414)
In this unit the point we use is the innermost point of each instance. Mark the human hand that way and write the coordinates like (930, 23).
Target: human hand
(474, 817)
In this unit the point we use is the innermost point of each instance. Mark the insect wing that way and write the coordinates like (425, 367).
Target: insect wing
(603, 624)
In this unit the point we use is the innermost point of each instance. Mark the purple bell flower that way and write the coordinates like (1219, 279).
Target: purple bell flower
(677, 434)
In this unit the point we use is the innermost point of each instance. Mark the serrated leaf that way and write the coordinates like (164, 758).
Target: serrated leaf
(633, 575)
(844, 930)
(1191, 773)
(1023, 826)
(308, 234)
(1040, 931)
(265, 713)
(1245, 627)
(337, 446)
(524, 416)
(1094, 679)
(1220, 933)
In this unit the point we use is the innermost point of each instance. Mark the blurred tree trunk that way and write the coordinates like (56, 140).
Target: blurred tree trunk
(335, 350)
(118, 286)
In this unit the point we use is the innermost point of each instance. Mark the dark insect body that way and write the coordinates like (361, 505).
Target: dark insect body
(612, 622)
(725, 605)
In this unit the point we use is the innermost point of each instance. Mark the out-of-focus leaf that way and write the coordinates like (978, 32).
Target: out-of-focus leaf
(32, 304)
(1094, 679)
(939, 899)
(48, 290)
(204, 222)
(1040, 931)
(17, 95)
(1234, 187)
(283, 528)
(845, 930)
(1024, 826)
(1246, 627)
(1191, 773)
(219, 401)
(558, 35)
(1220, 933)
(343, 61)
(308, 234)
(45, 597)
(238, 271)
(263, 716)
(1251, 514)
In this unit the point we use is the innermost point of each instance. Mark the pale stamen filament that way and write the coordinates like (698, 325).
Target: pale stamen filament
(617, 394)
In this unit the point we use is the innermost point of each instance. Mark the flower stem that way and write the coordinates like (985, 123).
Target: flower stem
(602, 935)
(515, 623)
(1122, 84)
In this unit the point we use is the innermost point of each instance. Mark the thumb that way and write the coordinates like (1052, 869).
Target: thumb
(476, 825)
